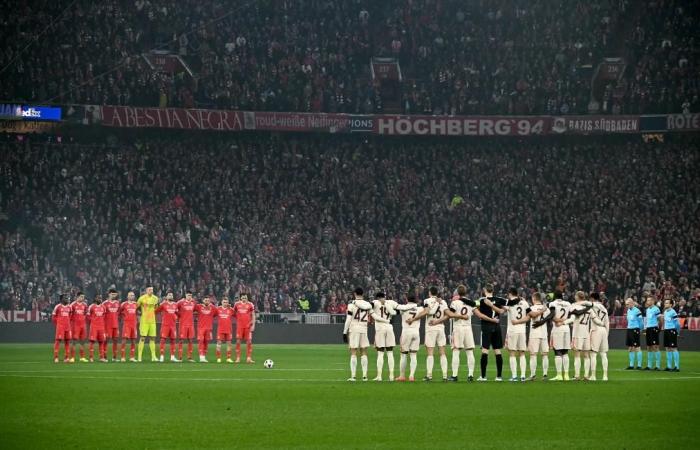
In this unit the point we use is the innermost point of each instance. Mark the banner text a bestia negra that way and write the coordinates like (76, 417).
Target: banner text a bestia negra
(187, 119)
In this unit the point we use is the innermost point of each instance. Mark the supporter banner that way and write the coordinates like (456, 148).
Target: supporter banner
(188, 119)
(330, 123)
(15, 126)
(683, 122)
(462, 126)
(595, 124)
(21, 316)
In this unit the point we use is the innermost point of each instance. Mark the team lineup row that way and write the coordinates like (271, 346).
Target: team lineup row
(582, 326)
(177, 321)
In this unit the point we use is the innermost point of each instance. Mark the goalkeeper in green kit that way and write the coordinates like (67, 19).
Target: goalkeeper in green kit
(147, 327)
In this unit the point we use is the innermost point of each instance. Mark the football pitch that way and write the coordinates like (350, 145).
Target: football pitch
(305, 402)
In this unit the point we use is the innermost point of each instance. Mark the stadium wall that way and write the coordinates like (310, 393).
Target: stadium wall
(38, 332)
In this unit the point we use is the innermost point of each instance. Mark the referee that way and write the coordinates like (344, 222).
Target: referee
(635, 323)
(489, 310)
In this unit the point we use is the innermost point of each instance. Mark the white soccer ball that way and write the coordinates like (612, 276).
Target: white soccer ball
(269, 364)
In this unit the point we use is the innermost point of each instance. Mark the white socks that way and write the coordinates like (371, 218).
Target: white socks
(593, 357)
(545, 364)
(363, 362)
(586, 365)
(470, 362)
(523, 366)
(430, 360)
(565, 364)
(558, 364)
(513, 366)
(577, 365)
(380, 364)
(353, 365)
(533, 365)
(390, 364)
(604, 361)
(402, 365)
(414, 364)
(455, 363)
(443, 365)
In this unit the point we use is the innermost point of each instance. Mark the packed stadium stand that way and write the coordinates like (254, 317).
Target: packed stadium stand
(453, 57)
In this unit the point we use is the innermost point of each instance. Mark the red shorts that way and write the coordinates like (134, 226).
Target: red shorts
(64, 334)
(203, 335)
(186, 331)
(79, 332)
(97, 334)
(244, 333)
(129, 331)
(112, 333)
(168, 332)
(224, 336)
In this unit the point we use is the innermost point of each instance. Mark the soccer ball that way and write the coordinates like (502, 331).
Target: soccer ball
(268, 363)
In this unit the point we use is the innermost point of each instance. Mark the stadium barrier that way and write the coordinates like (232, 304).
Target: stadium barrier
(290, 333)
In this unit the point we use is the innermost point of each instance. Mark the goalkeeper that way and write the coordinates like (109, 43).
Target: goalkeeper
(147, 327)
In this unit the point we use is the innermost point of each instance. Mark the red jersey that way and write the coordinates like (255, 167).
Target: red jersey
(96, 314)
(78, 312)
(206, 316)
(61, 316)
(128, 311)
(112, 313)
(225, 316)
(169, 310)
(243, 312)
(185, 310)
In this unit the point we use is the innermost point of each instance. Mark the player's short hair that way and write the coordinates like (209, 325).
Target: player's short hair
(671, 300)
(558, 295)
(513, 291)
(433, 290)
(537, 296)
(488, 287)
(359, 291)
(379, 294)
(594, 296)
(188, 292)
(207, 295)
(411, 296)
(112, 291)
(224, 298)
(79, 293)
(461, 290)
(580, 295)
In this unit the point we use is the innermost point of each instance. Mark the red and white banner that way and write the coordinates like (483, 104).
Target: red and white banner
(21, 316)
(461, 126)
(186, 119)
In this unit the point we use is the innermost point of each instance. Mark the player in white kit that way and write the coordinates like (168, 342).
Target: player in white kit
(538, 341)
(561, 334)
(435, 309)
(355, 332)
(410, 337)
(580, 317)
(384, 339)
(462, 334)
(600, 327)
(516, 340)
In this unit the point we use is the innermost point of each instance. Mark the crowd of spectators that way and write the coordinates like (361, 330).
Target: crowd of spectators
(484, 56)
(312, 217)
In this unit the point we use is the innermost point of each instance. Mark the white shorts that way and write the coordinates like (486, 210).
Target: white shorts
(516, 342)
(462, 338)
(358, 339)
(538, 345)
(561, 340)
(582, 344)
(599, 341)
(435, 338)
(384, 338)
(410, 341)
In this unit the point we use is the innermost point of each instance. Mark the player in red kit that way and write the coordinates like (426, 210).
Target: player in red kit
(244, 312)
(61, 318)
(185, 311)
(78, 312)
(205, 320)
(96, 317)
(128, 311)
(168, 326)
(112, 321)
(224, 331)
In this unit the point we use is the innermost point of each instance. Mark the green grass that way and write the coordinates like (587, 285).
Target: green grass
(305, 402)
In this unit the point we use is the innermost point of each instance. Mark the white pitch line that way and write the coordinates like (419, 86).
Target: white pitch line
(81, 370)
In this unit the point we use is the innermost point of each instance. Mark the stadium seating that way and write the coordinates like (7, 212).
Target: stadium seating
(313, 216)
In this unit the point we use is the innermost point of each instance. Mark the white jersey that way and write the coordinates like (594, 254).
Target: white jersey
(461, 308)
(561, 311)
(358, 316)
(436, 309)
(410, 314)
(517, 312)
(600, 316)
(385, 311)
(540, 332)
(582, 322)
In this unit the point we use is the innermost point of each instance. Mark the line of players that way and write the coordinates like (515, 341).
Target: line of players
(587, 336)
(649, 320)
(177, 320)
